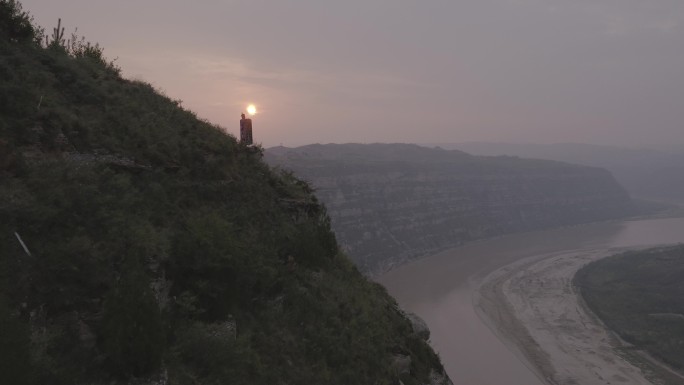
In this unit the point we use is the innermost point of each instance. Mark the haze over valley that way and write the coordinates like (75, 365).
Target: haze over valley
(650, 173)
(391, 203)
(307, 192)
(531, 71)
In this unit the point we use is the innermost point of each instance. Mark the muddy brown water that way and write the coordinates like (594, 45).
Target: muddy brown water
(440, 289)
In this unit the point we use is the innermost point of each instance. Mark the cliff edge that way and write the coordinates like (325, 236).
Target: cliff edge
(390, 203)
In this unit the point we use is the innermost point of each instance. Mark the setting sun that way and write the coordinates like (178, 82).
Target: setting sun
(251, 109)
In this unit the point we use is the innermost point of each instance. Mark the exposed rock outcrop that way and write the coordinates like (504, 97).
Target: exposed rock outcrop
(437, 378)
(401, 364)
(391, 203)
(419, 326)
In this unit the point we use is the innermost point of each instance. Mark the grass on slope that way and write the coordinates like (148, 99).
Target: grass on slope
(162, 247)
(640, 295)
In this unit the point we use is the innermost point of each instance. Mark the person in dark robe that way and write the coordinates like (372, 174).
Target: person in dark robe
(246, 130)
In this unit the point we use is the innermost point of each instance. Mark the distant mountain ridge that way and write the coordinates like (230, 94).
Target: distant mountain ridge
(390, 203)
(655, 174)
(369, 152)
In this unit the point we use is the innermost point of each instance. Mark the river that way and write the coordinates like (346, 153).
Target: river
(440, 289)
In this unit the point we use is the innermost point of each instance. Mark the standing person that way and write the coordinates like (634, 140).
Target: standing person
(245, 130)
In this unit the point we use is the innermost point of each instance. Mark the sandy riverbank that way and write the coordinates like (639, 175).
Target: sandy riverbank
(440, 289)
(533, 306)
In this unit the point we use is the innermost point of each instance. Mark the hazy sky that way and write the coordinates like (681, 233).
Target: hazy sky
(600, 71)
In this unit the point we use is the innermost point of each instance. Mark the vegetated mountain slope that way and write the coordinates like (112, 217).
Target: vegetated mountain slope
(645, 173)
(163, 251)
(638, 294)
(393, 202)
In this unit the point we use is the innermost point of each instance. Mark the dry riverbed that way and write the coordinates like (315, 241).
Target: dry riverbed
(533, 306)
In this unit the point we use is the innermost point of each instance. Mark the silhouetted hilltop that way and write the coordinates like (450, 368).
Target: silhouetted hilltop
(142, 245)
(390, 203)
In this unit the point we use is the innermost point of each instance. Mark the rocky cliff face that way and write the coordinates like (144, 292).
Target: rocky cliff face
(393, 203)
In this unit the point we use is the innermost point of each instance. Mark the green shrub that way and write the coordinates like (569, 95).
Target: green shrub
(215, 353)
(144, 192)
(132, 332)
(16, 24)
(15, 357)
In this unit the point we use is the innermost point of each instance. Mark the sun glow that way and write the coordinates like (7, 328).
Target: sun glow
(251, 109)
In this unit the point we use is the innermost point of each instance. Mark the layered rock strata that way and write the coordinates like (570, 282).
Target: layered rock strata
(390, 203)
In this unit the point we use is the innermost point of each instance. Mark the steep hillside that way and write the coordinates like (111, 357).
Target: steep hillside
(139, 244)
(393, 202)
